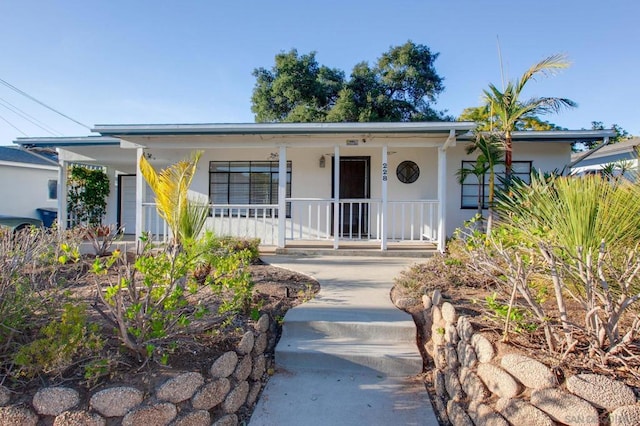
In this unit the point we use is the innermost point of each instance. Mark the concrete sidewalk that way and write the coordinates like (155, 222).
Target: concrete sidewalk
(349, 356)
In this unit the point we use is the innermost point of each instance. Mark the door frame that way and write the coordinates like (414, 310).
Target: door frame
(364, 220)
(120, 189)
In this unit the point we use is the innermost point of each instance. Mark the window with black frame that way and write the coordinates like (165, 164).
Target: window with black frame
(246, 183)
(471, 185)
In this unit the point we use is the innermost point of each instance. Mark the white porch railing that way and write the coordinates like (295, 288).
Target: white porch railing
(153, 223)
(312, 219)
(413, 220)
(239, 220)
(361, 219)
(246, 221)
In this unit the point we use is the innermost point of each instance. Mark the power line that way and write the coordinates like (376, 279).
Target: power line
(14, 88)
(8, 105)
(10, 124)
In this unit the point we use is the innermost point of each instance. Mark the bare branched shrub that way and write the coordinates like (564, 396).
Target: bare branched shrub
(581, 234)
(30, 264)
(102, 237)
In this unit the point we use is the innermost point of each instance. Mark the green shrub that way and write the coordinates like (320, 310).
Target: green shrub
(235, 245)
(148, 301)
(520, 318)
(226, 261)
(61, 341)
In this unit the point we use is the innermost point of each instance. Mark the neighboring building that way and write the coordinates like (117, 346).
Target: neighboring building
(396, 182)
(29, 181)
(623, 156)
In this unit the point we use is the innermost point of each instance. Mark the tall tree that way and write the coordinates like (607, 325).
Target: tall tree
(402, 86)
(621, 134)
(510, 109)
(296, 89)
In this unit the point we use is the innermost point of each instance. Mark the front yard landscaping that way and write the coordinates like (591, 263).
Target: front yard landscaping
(90, 322)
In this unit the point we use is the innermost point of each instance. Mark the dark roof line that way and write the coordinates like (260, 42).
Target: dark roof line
(16, 155)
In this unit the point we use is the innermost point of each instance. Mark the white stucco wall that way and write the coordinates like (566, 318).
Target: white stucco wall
(309, 180)
(545, 156)
(25, 188)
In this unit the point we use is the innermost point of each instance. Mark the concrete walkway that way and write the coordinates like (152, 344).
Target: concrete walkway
(349, 356)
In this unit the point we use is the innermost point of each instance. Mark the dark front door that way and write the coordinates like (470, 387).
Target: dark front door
(354, 185)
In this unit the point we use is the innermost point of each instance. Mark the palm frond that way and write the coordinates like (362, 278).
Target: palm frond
(194, 217)
(170, 187)
(548, 66)
(548, 105)
(149, 173)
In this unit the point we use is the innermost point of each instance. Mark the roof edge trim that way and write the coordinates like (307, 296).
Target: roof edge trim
(283, 128)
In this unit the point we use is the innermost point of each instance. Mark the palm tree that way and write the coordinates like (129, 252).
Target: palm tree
(510, 110)
(185, 215)
(490, 154)
(477, 169)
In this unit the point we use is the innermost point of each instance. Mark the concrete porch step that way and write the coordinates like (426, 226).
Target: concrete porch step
(361, 340)
(364, 252)
(375, 331)
(355, 248)
(352, 355)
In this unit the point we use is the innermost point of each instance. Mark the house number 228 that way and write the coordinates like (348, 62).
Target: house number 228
(385, 171)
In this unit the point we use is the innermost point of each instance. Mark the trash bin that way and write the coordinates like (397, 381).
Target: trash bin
(47, 215)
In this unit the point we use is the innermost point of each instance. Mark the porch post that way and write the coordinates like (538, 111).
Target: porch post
(282, 196)
(383, 221)
(139, 194)
(62, 194)
(442, 197)
(336, 197)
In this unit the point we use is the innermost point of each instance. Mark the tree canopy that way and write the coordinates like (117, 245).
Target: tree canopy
(403, 85)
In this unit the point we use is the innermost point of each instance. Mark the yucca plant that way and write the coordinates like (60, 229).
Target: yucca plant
(574, 212)
(184, 215)
(587, 229)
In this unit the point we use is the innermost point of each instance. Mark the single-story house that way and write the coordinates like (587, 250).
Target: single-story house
(29, 181)
(322, 182)
(622, 156)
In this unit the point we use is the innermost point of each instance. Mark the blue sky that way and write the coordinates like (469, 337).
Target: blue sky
(139, 61)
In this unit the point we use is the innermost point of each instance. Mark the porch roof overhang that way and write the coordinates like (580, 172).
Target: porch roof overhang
(558, 136)
(67, 141)
(269, 135)
(120, 130)
(100, 150)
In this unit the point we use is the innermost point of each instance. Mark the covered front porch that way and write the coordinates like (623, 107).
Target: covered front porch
(309, 223)
(287, 184)
(330, 185)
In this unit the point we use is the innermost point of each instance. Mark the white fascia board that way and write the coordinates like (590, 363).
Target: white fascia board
(28, 165)
(560, 136)
(53, 142)
(282, 128)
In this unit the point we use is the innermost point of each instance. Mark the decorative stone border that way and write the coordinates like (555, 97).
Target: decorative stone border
(473, 387)
(188, 399)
